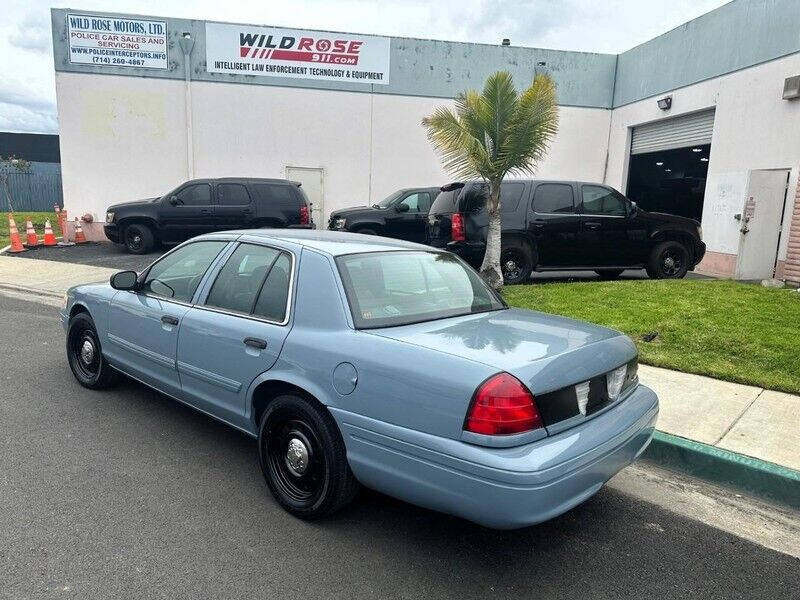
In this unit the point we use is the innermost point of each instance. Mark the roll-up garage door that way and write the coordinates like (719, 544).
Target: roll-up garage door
(679, 132)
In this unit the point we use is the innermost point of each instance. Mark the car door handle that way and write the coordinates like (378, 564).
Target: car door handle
(592, 225)
(169, 320)
(205, 211)
(255, 343)
(538, 223)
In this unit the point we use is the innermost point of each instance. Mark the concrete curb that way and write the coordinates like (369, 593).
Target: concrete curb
(768, 480)
(28, 290)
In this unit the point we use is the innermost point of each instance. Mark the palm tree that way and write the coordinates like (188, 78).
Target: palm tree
(493, 134)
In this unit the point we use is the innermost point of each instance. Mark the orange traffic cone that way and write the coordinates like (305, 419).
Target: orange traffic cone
(16, 243)
(30, 233)
(49, 238)
(79, 237)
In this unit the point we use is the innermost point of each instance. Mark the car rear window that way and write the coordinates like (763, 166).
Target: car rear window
(386, 289)
(279, 195)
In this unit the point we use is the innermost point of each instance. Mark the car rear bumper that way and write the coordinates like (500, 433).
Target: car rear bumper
(699, 252)
(472, 252)
(503, 488)
(112, 233)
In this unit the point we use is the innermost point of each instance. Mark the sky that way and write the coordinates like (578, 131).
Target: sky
(27, 87)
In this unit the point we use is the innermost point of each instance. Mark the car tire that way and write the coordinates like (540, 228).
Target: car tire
(608, 274)
(138, 238)
(303, 458)
(668, 260)
(516, 263)
(85, 355)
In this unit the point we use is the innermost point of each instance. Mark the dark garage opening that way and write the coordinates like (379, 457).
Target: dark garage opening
(670, 181)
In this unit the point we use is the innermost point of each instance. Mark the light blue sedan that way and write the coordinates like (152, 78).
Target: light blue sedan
(360, 360)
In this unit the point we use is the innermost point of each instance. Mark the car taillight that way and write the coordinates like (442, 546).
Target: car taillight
(303, 215)
(502, 405)
(457, 227)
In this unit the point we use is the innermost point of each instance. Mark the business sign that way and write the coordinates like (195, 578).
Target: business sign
(117, 42)
(271, 52)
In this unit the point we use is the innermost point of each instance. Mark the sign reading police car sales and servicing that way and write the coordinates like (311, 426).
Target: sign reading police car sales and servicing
(272, 52)
(117, 42)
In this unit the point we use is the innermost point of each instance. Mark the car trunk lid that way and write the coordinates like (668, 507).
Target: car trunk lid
(551, 355)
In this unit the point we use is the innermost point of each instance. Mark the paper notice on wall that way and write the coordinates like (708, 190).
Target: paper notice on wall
(117, 42)
(295, 53)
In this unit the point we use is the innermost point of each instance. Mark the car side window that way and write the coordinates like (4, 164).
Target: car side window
(603, 201)
(425, 202)
(177, 275)
(279, 195)
(233, 194)
(198, 194)
(510, 194)
(239, 281)
(553, 198)
(271, 302)
(413, 202)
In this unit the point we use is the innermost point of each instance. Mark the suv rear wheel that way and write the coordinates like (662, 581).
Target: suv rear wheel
(516, 263)
(668, 260)
(138, 238)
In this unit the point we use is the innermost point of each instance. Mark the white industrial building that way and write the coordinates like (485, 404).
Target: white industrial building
(701, 121)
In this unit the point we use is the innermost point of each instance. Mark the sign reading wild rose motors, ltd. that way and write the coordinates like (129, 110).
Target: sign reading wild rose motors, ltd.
(117, 42)
(295, 53)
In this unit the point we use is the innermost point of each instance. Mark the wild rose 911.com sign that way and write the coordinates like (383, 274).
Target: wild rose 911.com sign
(295, 53)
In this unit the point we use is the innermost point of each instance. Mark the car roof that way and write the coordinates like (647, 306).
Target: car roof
(335, 243)
(567, 181)
(243, 180)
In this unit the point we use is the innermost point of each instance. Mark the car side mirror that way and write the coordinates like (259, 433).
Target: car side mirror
(632, 208)
(402, 208)
(174, 201)
(125, 280)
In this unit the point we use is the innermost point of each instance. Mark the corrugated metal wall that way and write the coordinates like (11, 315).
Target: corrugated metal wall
(36, 190)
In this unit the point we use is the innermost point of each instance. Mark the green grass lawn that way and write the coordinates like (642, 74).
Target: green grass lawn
(37, 218)
(723, 329)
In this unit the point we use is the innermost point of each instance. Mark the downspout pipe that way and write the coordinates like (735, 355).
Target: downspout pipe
(187, 45)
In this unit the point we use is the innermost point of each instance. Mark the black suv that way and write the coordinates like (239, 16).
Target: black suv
(402, 214)
(205, 205)
(564, 225)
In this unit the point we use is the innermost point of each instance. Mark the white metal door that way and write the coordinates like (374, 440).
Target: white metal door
(312, 179)
(760, 224)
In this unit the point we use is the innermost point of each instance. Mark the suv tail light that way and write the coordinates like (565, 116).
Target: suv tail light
(303, 215)
(457, 227)
(502, 405)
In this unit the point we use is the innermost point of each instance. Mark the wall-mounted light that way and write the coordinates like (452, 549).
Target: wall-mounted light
(697, 149)
(506, 42)
(659, 164)
(665, 103)
(668, 170)
(704, 159)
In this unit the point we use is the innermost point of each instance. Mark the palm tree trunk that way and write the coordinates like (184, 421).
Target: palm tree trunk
(490, 269)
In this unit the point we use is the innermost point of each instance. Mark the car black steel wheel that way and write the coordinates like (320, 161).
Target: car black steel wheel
(295, 458)
(303, 458)
(515, 264)
(138, 238)
(669, 260)
(85, 354)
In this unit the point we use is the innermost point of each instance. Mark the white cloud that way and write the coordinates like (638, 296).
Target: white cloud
(27, 89)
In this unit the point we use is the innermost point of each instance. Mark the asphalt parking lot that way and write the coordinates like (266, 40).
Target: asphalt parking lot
(106, 254)
(128, 494)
